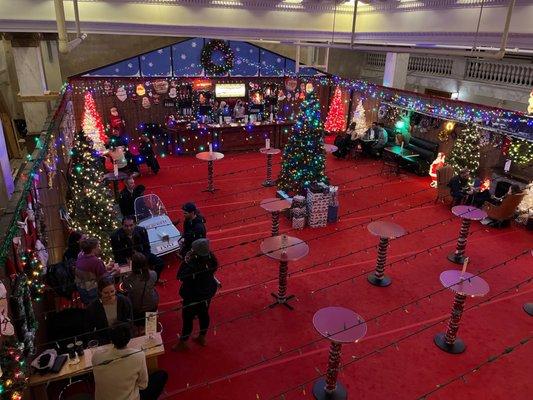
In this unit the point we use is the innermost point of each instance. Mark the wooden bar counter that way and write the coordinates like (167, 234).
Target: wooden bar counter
(228, 137)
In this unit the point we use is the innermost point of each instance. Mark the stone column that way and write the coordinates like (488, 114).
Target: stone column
(395, 75)
(50, 57)
(31, 78)
(7, 185)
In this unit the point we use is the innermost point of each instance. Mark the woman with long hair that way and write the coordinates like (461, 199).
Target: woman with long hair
(140, 288)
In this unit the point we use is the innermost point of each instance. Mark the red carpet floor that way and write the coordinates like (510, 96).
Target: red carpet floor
(249, 345)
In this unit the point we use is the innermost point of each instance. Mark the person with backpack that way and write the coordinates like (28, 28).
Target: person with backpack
(61, 276)
(73, 248)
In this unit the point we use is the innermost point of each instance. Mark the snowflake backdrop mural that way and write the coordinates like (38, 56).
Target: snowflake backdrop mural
(183, 59)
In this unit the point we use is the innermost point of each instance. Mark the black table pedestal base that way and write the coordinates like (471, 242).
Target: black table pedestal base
(383, 282)
(269, 183)
(457, 348)
(284, 301)
(320, 393)
(456, 258)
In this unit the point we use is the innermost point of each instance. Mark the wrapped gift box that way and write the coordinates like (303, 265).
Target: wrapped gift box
(298, 223)
(333, 213)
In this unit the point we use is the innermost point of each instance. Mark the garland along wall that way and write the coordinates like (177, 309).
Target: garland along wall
(494, 146)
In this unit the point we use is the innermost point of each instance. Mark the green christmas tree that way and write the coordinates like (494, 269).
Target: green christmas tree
(91, 205)
(14, 370)
(465, 151)
(304, 156)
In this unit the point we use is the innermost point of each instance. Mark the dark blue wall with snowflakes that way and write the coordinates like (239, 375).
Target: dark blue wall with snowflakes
(183, 59)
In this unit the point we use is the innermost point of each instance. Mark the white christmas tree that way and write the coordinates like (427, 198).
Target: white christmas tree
(360, 120)
(92, 124)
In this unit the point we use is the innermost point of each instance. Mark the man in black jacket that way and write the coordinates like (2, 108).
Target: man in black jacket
(126, 200)
(131, 237)
(459, 186)
(193, 227)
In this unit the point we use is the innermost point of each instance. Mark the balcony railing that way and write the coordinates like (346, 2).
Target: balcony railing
(375, 60)
(430, 65)
(500, 73)
(491, 72)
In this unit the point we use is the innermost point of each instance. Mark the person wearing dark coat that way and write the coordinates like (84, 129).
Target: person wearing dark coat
(130, 238)
(345, 142)
(111, 307)
(198, 286)
(459, 186)
(193, 227)
(146, 149)
(73, 248)
(127, 197)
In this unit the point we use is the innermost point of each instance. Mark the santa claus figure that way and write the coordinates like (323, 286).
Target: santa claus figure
(435, 165)
(116, 122)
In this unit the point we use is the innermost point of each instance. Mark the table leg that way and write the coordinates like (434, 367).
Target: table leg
(268, 182)
(458, 256)
(378, 278)
(528, 307)
(449, 342)
(39, 392)
(275, 223)
(210, 185)
(328, 387)
(281, 297)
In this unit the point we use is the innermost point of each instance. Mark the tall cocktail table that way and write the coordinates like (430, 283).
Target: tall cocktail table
(269, 153)
(467, 215)
(339, 325)
(463, 285)
(284, 248)
(275, 206)
(111, 177)
(386, 231)
(210, 157)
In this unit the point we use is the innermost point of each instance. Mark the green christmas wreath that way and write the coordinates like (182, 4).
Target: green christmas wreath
(207, 57)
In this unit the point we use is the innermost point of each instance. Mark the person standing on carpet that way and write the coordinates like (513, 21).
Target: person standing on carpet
(146, 149)
(198, 286)
(126, 200)
(193, 227)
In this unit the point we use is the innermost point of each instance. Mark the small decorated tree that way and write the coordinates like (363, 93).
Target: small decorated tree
(336, 119)
(304, 157)
(360, 119)
(90, 206)
(14, 370)
(465, 151)
(92, 123)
